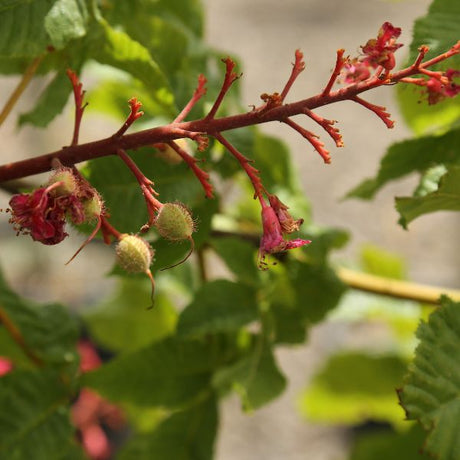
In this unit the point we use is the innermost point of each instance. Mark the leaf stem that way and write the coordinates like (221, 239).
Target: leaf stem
(25, 80)
(395, 288)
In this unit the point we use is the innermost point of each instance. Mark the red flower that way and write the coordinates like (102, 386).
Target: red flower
(355, 71)
(272, 240)
(380, 51)
(38, 214)
(288, 224)
(442, 85)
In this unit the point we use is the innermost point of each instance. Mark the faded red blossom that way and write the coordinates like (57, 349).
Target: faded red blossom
(355, 71)
(6, 366)
(380, 51)
(90, 410)
(287, 222)
(40, 215)
(443, 85)
(272, 240)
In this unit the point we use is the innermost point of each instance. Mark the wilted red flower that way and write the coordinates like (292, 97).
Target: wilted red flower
(38, 214)
(355, 71)
(287, 222)
(272, 240)
(90, 410)
(380, 51)
(6, 366)
(442, 85)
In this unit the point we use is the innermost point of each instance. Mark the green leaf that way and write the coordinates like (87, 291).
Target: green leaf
(65, 21)
(47, 331)
(414, 155)
(384, 445)
(272, 157)
(122, 323)
(446, 198)
(439, 29)
(171, 373)
(118, 49)
(219, 306)
(51, 103)
(22, 33)
(239, 256)
(34, 420)
(255, 377)
(188, 14)
(431, 388)
(186, 435)
(317, 289)
(355, 387)
(289, 324)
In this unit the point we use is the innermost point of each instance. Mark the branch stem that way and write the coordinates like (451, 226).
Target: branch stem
(395, 288)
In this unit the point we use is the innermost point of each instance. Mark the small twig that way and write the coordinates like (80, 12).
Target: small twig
(377, 109)
(312, 138)
(201, 175)
(297, 68)
(199, 92)
(146, 185)
(78, 94)
(134, 105)
(22, 85)
(339, 62)
(229, 78)
(327, 126)
(252, 172)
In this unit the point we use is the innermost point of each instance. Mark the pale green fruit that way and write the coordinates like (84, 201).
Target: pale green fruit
(134, 254)
(175, 222)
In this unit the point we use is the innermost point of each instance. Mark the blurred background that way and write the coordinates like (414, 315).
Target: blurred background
(264, 35)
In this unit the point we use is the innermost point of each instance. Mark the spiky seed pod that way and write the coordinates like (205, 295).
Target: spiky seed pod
(134, 254)
(175, 222)
(93, 207)
(68, 182)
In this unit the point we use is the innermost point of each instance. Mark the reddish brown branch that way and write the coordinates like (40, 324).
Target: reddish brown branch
(197, 129)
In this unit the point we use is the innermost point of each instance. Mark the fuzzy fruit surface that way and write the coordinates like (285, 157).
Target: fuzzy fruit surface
(134, 254)
(66, 178)
(175, 222)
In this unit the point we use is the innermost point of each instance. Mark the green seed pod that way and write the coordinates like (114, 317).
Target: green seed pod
(93, 207)
(68, 183)
(134, 254)
(175, 222)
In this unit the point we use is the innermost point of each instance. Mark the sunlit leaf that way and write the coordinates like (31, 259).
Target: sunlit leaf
(430, 391)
